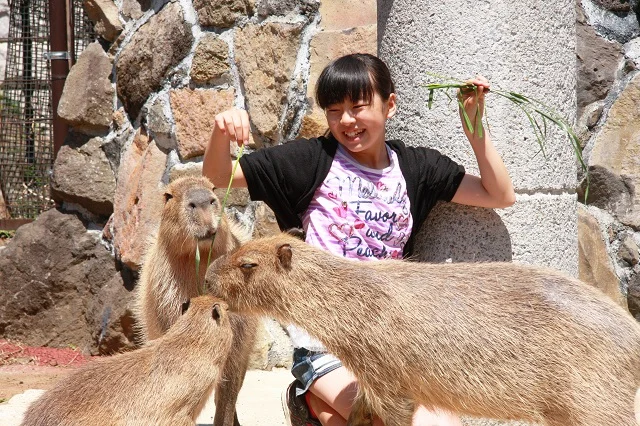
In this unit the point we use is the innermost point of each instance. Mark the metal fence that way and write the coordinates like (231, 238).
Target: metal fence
(26, 116)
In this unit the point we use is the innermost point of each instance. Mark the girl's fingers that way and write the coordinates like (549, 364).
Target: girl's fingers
(480, 82)
(237, 127)
(230, 126)
(234, 123)
(244, 123)
(220, 124)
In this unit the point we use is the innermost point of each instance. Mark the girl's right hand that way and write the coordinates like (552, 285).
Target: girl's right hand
(234, 125)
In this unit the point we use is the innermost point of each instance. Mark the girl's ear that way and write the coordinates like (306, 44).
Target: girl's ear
(391, 105)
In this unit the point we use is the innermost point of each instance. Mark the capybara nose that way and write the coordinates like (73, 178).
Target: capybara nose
(200, 198)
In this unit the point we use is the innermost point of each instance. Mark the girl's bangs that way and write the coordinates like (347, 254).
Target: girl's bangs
(339, 84)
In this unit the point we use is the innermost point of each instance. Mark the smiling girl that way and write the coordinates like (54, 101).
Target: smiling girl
(356, 195)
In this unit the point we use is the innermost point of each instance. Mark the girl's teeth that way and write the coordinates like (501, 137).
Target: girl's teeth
(353, 134)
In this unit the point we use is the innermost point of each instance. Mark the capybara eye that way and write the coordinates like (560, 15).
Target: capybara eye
(213, 201)
(185, 306)
(167, 197)
(216, 312)
(248, 265)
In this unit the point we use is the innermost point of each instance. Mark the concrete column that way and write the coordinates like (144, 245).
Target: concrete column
(527, 46)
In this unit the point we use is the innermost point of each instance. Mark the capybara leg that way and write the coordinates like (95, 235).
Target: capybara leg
(361, 413)
(234, 370)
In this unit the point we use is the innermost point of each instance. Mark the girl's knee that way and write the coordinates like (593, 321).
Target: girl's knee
(324, 412)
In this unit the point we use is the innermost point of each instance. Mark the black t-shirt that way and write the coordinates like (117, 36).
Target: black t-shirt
(286, 176)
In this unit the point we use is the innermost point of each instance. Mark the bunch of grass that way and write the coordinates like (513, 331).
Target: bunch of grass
(538, 114)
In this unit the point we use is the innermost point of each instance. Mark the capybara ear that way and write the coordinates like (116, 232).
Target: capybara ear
(284, 255)
(216, 311)
(185, 306)
(167, 196)
(297, 232)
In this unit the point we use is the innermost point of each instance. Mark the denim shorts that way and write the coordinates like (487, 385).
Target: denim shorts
(308, 366)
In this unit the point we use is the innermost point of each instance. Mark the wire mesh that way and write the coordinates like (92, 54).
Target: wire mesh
(83, 28)
(26, 116)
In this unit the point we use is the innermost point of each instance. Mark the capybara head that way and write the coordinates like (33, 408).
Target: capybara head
(205, 311)
(191, 208)
(240, 277)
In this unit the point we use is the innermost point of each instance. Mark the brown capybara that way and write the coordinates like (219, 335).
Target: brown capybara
(192, 216)
(164, 383)
(493, 340)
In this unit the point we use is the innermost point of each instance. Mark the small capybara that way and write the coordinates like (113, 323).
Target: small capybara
(192, 216)
(493, 340)
(164, 383)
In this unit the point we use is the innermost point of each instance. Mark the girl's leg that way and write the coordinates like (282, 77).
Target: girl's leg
(327, 415)
(332, 396)
(336, 391)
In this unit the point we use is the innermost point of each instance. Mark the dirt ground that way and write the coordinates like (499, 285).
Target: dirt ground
(25, 367)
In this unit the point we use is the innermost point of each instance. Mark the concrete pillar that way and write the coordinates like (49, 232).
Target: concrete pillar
(527, 46)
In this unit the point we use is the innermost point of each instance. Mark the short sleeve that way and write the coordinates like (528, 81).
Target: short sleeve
(443, 175)
(436, 175)
(282, 176)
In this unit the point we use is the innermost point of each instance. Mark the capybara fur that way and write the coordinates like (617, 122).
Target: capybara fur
(492, 340)
(192, 216)
(164, 383)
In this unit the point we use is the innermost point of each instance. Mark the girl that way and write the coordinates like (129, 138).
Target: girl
(356, 195)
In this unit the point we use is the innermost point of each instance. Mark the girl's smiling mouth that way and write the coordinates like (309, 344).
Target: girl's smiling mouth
(354, 134)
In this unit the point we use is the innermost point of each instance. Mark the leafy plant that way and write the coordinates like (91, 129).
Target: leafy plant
(538, 114)
(5, 234)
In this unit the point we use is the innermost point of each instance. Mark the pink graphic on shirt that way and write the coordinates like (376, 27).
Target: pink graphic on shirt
(341, 210)
(360, 213)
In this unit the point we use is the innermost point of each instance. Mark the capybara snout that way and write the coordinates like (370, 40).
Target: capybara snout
(246, 268)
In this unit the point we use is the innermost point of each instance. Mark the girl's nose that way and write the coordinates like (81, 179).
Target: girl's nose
(347, 117)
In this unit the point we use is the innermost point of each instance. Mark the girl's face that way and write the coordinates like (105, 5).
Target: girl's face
(360, 126)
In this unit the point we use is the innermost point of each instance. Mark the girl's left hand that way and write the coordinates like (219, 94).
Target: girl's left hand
(472, 100)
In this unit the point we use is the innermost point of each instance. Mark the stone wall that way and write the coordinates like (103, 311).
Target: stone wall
(608, 104)
(141, 103)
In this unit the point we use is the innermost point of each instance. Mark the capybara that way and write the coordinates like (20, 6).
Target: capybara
(192, 216)
(164, 383)
(493, 340)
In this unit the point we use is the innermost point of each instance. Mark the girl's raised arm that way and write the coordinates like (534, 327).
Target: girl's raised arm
(230, 125)
(493, 188)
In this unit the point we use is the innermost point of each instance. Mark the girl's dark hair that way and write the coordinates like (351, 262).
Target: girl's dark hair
(355, 77)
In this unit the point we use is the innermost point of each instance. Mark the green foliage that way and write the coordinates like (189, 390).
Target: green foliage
(5, 234)
(538, 114)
